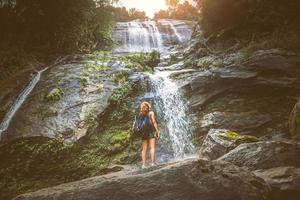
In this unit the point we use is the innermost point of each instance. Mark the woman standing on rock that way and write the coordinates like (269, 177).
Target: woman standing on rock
(149, 132)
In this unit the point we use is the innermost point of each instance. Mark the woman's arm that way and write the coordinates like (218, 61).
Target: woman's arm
(154, 122)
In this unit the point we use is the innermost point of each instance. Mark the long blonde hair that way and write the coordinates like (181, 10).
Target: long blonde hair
(145, 107)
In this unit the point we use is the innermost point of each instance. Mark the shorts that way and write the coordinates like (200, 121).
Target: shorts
(149, 136)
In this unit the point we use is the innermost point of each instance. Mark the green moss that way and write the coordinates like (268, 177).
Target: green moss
(121, 137)
(121, 76)
(209, 62)
(55, 94)
(234, 136)
(121, 93)
(93, 67)
(142, 61)
(84, 82)
(102, 56)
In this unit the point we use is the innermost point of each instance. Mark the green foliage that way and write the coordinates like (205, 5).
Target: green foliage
(55, 94)
(41, 29)
(231, 135)
(121, 93)
(178, 10)
(102, 56)
(122, 14)
(142, 61)
(121, 77)
(154, 56)
(122, 137)
(248, 16)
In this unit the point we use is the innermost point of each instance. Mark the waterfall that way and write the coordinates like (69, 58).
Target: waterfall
(148, 35)
(138, 36)
(19, 101)
(173, 111)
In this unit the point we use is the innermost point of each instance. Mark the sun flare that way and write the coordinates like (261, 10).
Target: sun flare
(149, 6)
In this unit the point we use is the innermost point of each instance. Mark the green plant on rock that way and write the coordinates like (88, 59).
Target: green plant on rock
(84, 82)
(121, 77)
(102, 56)
(55, 94)
(142, 61)
(121, 93)
(94, 67)
(205, 62)
(234, 136)
(153, 58)
(121, 137)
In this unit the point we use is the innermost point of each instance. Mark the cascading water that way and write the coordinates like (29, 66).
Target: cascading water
(148, 35)
(19, 101)
(172, 110)
(138, 36)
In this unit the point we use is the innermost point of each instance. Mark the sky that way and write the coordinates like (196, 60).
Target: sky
(149, 6)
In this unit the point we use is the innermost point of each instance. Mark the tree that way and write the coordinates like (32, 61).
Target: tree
(172, 3)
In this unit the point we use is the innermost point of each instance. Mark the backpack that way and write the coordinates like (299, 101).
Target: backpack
(142, 125)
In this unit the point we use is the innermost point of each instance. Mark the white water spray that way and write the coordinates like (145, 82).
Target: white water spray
(169, 100)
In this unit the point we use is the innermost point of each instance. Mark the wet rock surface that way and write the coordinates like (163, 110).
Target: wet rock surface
(264, 155)
(251, 97)
(220, 141)
(65, 101)
(284, 182)
(184, 180)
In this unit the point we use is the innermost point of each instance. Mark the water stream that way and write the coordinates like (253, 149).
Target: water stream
(19, 101)
(172, 112)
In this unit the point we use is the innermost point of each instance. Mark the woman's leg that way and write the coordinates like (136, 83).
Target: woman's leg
(144, 151)
(152, 150)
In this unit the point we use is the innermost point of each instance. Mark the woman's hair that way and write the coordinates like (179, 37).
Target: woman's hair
(145, 107)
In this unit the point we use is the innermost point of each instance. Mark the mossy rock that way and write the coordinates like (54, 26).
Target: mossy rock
(55, 94)
(234, 136)
(220, 141)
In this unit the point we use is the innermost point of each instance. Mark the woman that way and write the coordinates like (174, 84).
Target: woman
(150, 137)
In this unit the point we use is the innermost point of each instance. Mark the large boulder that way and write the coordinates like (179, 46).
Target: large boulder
(220, 141)
(284, 182)
(201, 179)
(264, 155)
(236, 121)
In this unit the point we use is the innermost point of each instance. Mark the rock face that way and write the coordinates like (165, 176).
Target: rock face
(284, 182)
(220, 141)
(66, 101)
(294, 121)
(264, 155)
(243, 121)
(203, 180)
(254, 96)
